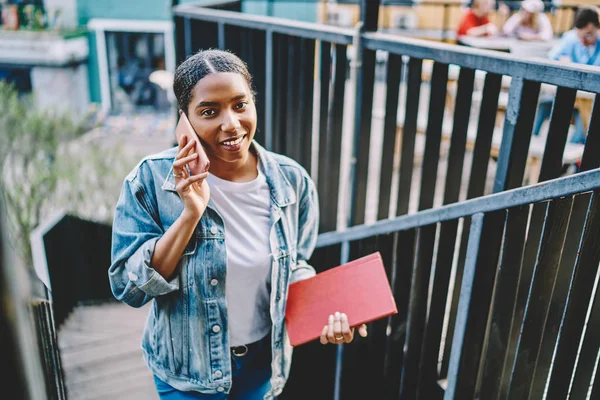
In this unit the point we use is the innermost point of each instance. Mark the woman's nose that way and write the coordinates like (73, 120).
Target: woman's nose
(230, 122)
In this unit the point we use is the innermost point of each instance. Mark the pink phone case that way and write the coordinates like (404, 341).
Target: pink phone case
(184, 128)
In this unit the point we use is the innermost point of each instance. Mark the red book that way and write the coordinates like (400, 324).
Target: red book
(359, 288)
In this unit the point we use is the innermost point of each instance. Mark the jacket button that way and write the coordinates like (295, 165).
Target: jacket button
(216, 329)
(214, 282)
(214, 230)
(218, 374)
(220, 389)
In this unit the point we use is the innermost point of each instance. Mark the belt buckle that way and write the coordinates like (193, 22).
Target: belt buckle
(243, 350)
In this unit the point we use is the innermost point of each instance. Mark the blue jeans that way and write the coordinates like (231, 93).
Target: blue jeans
(251, 374)
(545, 110)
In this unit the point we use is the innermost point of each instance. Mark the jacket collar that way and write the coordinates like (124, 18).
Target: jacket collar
(282, 191)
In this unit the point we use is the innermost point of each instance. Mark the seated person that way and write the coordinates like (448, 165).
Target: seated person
(578, 46)
(475, 21)
(530, 23)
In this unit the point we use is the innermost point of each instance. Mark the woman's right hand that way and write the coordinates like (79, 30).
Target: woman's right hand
(192, 189)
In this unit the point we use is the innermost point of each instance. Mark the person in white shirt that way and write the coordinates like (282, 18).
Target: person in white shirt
(530, 23)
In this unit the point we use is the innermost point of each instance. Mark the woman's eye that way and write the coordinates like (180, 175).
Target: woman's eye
(208, 113)
(241, 105)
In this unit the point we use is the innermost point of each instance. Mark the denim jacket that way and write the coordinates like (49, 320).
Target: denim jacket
(185, 341)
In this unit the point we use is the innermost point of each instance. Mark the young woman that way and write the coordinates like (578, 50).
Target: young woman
(530, 23)
(217, 250)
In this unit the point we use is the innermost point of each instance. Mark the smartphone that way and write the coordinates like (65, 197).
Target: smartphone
(185, 129)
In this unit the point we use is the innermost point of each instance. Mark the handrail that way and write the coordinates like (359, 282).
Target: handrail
(560, 187)
(308, 30)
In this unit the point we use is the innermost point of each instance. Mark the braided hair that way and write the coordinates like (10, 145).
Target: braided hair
(201, 64)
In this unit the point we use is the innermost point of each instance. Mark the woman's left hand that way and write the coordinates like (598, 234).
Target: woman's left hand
(338, 331)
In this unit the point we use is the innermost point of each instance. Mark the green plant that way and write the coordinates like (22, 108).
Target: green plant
(48, 165)
(30, 141)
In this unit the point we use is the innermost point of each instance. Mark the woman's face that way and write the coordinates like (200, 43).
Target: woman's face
(223, 114)
(526, 16)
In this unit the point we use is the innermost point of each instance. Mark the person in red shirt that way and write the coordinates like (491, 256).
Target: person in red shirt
(475, 22)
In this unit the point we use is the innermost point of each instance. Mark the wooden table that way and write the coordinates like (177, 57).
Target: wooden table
(487, 43)
(514, 46)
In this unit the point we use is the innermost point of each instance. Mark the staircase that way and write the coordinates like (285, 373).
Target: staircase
(101, 353)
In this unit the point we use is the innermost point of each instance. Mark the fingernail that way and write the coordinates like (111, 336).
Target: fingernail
(344, 316)
(337, 315)
(331, 319)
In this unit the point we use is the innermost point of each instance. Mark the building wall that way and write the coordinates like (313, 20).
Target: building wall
(161, 10)
(117, 9)
(68, 9)
(298, 10)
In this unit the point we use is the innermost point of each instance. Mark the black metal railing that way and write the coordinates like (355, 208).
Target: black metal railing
(295, 63)
(77, 255)
(47, 343)
(473, 269)
(486, 290)
(30, 361)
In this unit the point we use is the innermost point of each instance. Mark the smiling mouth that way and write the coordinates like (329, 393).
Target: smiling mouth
(233, 142)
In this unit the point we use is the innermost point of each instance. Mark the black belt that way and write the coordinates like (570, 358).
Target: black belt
(241, 351)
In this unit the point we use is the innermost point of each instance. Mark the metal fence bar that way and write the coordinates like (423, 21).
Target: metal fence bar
(560, 293)
(187, 34)
(516, 136)
(330, 153)
(454, 300)
(363, 111)
(308, 48)
(590, 159)
(433, 135)
(409, 132)
(257, 46)
(580, 287)
(458, 141)
(417, 310)
(269, 90)
(394, 73)
(291, 114)
(281, 89)
(557, 135)
(404, 265)
(428, 374)
(588, 353)
(503, 304)
(325, 79)
(485, 132)
(540, 293)
(363, 364)
(476, 292)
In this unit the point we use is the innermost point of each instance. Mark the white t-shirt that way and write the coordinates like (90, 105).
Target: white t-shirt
(245, 208)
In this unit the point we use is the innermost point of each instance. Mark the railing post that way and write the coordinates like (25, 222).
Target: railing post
(369, 15)
(269, 88)
(339, 356)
